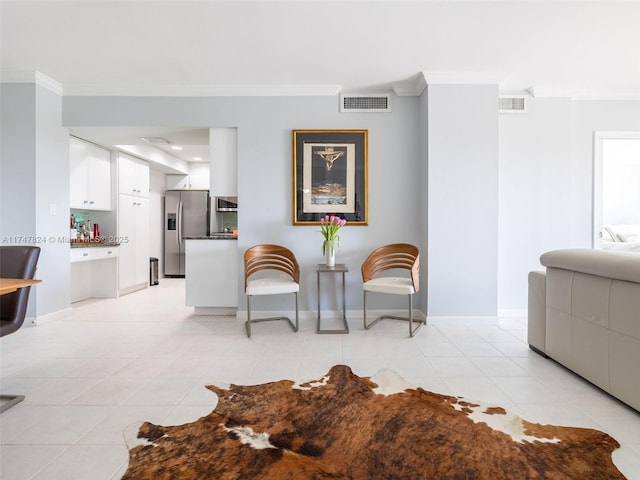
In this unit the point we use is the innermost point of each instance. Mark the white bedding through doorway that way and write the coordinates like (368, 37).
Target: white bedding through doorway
(621, 237)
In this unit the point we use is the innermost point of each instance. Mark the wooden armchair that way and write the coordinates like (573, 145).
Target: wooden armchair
(377, 271)
(271, 259)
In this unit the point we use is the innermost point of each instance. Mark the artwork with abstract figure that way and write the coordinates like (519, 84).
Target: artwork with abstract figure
(332, 189)
(329, 177)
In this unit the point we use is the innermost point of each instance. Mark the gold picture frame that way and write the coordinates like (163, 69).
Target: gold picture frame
(330, 175)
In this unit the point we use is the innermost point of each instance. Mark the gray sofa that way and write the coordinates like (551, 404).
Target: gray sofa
(584, 313)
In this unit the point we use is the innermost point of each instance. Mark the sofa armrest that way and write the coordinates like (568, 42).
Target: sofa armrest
(536, 321)
(615, 265)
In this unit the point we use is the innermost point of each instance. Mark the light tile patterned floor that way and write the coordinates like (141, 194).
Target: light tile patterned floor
(145, 356)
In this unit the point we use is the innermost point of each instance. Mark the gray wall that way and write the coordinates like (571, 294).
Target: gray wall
(265, 127)
(35, 188)
(546, 183)
(486, 223)
(463, 200)
(422, 197)
(18, 161)
(535, 185)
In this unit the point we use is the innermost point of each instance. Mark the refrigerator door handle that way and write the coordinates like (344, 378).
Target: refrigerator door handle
(179, 210)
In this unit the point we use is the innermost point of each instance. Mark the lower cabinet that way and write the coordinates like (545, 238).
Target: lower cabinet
(211, 276)
(133, 234)
(94, 272)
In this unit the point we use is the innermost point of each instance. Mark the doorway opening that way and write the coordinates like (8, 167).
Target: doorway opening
(616, 191)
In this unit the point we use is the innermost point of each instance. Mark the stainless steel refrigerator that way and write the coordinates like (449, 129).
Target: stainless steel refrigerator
(186, 214)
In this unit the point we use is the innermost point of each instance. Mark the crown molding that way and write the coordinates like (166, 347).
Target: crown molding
(464, 78)
(425, 78)
(413, 88)
(627, 95)
(31, 76)
(202, 90)
(630, 94)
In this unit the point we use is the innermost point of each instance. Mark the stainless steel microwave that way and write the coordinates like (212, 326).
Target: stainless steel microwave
(226, 204)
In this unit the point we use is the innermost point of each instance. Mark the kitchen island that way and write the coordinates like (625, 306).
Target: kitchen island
(211, 274)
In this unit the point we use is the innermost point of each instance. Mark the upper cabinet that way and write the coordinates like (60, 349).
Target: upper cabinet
(90, 167)
(133, 176)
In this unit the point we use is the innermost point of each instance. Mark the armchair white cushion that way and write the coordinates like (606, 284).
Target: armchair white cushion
(271, 286)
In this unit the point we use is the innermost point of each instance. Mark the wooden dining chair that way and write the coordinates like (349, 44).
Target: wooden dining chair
(264, 266)
(393, 269)
(16, 261)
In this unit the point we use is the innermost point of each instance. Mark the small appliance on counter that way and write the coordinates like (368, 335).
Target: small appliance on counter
(226, 204)
(226, 219)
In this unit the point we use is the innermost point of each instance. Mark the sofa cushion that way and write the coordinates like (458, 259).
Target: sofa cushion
(624, 358)
(558, 315)
(590, 298)
(624, 309)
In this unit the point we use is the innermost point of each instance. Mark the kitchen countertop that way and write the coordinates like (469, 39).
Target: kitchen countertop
(93, 244)
(214, 236)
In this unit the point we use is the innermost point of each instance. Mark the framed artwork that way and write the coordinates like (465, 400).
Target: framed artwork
(329, 175)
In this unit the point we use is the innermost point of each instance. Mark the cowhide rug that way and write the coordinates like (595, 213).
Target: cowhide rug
(347, 427)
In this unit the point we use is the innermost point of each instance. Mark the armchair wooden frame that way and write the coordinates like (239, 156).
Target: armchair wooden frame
(269, 257)
(396, 256)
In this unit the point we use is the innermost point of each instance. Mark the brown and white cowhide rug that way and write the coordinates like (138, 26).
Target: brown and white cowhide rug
(347, 427)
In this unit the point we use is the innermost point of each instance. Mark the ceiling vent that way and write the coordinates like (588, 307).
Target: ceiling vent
(512, 104)
(365, 103)
(156, 140)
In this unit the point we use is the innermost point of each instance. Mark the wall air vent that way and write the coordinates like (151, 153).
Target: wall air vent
(512, 104)
(365, 103)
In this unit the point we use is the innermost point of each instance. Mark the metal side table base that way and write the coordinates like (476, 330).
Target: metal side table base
(337, 268)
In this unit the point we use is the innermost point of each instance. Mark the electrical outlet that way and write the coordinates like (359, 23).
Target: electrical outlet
(52, 209)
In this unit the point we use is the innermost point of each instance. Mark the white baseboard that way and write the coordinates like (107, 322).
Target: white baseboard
(133, 288)
(462, 319)
(513, 313)
(41, 319)
(313, 314)
(215, 311)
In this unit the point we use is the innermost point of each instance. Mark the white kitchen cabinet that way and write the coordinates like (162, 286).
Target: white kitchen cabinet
(211, 276)
(186, 182)
(133, 176)
(90, 176)
(133, 222)
(133, 233)
(94, 272)
(89, 254)
(177, 182)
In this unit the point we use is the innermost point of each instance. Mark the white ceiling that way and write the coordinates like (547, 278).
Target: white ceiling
(193, 142)
(182, 47)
